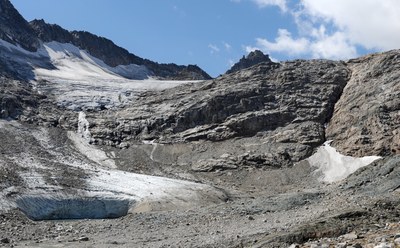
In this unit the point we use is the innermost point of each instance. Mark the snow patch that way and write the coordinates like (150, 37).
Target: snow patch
(76, 64)
(333, 166)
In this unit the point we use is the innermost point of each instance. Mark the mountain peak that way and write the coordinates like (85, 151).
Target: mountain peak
(253, 58)
(15, 29)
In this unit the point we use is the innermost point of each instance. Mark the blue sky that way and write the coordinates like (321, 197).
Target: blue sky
(216, 33)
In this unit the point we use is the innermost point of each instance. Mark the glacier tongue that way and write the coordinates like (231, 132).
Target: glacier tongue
(70, 178)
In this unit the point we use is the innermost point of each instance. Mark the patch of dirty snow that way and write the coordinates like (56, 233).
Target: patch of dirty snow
(333, 166)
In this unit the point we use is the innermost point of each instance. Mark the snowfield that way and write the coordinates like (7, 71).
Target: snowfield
(79, 81)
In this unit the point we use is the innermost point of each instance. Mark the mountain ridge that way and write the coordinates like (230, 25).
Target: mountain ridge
(16, 30)
(253, 58)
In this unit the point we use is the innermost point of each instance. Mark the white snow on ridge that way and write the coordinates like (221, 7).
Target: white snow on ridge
(75, 64)
(82, 81)
(79, 81)
(333, 166)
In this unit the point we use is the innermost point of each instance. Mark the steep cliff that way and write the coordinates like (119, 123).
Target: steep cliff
(14, 28)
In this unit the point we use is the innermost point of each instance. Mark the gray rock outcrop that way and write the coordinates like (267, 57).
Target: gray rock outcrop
(261, 99)
(367, 116)
(16, 97)
(14, 29)
(253, 58)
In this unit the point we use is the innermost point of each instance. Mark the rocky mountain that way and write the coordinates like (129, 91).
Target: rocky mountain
(253, 58)
(367, 116)
(16, 30)
(112, 54)
(267, 155)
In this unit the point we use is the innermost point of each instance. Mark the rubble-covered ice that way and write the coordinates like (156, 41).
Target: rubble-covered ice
(94, 188)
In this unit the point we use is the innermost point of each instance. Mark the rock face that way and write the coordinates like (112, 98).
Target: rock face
(298, 94)
(367, 116)
(112, 54)
(251, 59)
(284, 106)
(99, 47)
(15, 97)
(14, 28)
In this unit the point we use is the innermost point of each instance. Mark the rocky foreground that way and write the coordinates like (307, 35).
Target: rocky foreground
(248, 135)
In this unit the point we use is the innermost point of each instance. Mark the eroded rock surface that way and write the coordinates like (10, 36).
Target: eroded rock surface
(286, 104)
(14, 28)
(367, 116)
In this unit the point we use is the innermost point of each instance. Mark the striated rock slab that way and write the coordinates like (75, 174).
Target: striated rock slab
(366, 120)
(290, 102)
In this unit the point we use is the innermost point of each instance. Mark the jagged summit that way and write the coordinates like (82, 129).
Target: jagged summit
(253, 58)
(99, 47)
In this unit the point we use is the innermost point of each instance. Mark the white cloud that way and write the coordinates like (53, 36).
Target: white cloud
(283, 43)
(213, 48)
(265, 3)
(318, 45)
(370, 23)
(227, 46)
(335, 46)
(335, 29)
